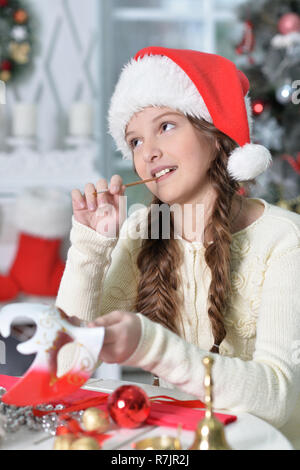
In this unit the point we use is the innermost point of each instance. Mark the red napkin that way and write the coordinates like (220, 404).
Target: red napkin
(162, 413)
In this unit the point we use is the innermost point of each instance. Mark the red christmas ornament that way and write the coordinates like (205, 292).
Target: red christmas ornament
(128, 406)
(20, 16)
(258, 107)
(289, 23)
(3, 3)
(6, 65)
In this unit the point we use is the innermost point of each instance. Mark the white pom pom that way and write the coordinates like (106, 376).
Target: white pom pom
(248, 162)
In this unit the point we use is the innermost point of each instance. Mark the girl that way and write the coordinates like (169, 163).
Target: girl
(166, 301)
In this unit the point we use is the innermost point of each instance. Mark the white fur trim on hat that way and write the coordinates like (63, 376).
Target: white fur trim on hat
(45, 213)
(151, 81)
(247, 162)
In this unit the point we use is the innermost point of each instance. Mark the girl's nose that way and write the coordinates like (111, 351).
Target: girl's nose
(151, 151)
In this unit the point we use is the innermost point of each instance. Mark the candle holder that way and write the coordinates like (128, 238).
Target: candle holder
(210, 431)
(79, 142)
(17, 143)
(160, 442)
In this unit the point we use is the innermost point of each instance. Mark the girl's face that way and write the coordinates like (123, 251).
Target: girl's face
(164, 137)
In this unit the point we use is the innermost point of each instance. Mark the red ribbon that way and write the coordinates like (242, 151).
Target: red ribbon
(101, 400)
(184, 403)
(72, 426)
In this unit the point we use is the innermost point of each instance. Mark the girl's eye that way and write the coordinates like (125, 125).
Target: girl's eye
(166, 124)
(133, 143)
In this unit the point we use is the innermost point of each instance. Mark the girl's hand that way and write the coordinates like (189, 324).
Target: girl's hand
(122, 335)
(104, 212)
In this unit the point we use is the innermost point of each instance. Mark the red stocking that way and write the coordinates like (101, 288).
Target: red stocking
(43, 219)
(8, 288)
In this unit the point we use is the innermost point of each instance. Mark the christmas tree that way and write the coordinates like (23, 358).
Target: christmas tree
(269, 54)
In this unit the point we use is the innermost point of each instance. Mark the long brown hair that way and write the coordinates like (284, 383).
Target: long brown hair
(158, 295)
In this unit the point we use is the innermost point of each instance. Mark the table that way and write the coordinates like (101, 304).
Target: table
(247, 433)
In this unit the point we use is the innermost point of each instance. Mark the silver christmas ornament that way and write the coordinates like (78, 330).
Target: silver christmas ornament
(12, 418)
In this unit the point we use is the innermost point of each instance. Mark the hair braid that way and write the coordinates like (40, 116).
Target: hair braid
(159, 259)
(158, 294)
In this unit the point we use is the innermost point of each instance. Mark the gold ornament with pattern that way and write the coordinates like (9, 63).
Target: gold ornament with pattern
(19, 52)
(85, 443)
(94, 419)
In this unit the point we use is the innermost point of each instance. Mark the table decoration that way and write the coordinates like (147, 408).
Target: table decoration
(162, 442)
(64, 417)
(94, 419)
(128, 406)
(210, 431)
(44, 382)
(158, 443)
(85, 443)
(63, 442)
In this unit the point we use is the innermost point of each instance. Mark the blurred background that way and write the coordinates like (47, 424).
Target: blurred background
(59, 63)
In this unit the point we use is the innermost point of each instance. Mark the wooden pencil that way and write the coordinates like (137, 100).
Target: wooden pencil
(128, 185)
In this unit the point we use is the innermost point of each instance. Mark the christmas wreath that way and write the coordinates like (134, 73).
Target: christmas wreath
(16, 40)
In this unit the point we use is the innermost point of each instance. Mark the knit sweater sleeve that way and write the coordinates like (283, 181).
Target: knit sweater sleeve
(99, 275)
(273, 374)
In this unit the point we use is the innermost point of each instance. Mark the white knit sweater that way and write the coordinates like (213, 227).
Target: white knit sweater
(258, 368)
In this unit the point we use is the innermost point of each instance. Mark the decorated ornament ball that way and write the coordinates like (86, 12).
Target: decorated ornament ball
(63, 442)
(85, 443)
(94, 419)
(128, 406)
(289, 23)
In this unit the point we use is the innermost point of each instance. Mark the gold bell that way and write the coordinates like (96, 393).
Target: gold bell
(210, 431)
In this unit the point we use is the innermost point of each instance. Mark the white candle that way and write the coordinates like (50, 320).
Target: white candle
(24, 120)
(81, 119)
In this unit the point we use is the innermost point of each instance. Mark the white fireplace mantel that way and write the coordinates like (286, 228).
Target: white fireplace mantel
(66, 169)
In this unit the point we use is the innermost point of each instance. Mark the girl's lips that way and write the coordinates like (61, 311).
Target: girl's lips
(166, 175)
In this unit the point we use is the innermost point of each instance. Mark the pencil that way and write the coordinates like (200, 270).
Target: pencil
(128, 185)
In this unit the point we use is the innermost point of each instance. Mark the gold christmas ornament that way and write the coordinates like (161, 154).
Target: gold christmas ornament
(63, 442)
(210, 431)
(160, 442)
(94, 419)
(5, 75)
(85, 443)
(19, 52)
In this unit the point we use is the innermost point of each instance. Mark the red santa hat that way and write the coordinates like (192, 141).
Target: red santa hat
(206, 86)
